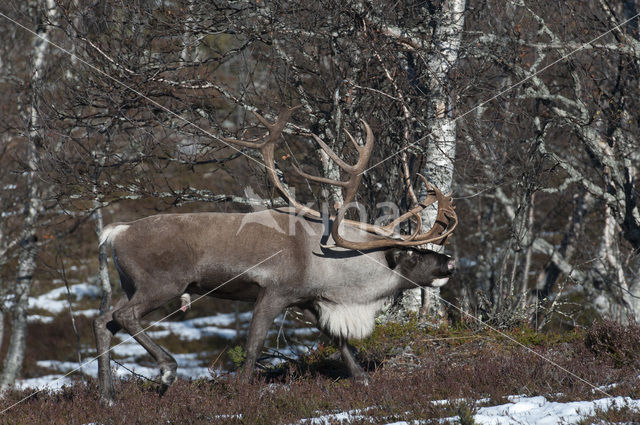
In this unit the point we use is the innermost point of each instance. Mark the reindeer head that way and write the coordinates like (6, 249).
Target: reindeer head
(421, 267)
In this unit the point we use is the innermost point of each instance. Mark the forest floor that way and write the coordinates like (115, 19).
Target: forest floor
(418, 374)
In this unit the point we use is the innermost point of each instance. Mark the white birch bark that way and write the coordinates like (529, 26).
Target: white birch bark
(103, 270)
(528, 238)
(3, 260)
(2, 312)
(610, 258)
(441, 147)
(26, 267)
(27, 257)
(188, 53)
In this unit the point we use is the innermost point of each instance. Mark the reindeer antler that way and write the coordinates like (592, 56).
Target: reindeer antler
(267, 145)
(446, 220)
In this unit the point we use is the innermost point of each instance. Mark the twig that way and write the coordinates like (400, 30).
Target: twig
(137, 375)
(63, 273)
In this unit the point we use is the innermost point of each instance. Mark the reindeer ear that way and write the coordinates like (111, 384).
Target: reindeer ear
(411, 258)
(397, 256)
(393, 257)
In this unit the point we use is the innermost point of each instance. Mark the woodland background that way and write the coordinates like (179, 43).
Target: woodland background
(527, 111)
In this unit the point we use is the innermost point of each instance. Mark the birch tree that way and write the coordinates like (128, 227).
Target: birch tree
(33, 202)
(559, 130)
(440, 143)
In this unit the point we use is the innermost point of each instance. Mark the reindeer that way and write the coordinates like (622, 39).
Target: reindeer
(338, 272)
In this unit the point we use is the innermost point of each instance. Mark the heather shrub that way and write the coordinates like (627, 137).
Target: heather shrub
(529, 337)
(454, 364)
(324, 361)
(390, 339)
(466, 410)
(615, 341)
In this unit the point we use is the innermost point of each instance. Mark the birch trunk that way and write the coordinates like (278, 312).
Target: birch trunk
(27, 257)
(2, 311)
(441, 147)
(527, 241)
(26, 267)
(2, 292)
(627, 309)
(103, 270)
(189, 48)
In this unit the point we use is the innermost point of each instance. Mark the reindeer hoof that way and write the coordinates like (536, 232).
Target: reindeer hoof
(362, 379)
(162, 388)
(168, 375)
(106, 401)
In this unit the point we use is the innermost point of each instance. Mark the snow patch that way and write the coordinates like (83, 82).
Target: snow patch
(187, 330)
(48, 382)
(521, 410)
(341, 417)
(188, 367)
(52, 302)
(37, 318)
(128, 352)
(539, 410)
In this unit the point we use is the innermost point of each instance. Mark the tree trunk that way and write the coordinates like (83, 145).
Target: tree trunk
(103, 270)
(441, 147)
(27, 258)
(624, 309)
(1, 324)
(189, 48)
(26, 267)
(3, 293)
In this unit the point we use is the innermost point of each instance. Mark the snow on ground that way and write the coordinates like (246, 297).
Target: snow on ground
(221, 319)
(189, 366)
(194, 329)
(520, 410)
(128, 351)
(539, 410)
(48, 382)
(56, 301)
(37, 318)
(341, 417)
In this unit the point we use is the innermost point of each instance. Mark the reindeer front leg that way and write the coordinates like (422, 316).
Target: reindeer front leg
(355, 370)
(128, 317)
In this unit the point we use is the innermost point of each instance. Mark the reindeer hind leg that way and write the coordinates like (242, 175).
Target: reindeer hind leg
(128, 316)
(104, 327)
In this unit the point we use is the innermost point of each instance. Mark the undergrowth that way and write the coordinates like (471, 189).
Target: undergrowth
(413, 370)
(613, 414)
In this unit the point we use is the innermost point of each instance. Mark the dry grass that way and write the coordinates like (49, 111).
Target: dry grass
(410, 368)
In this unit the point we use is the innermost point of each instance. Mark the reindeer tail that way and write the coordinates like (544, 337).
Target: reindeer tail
(110, 231)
